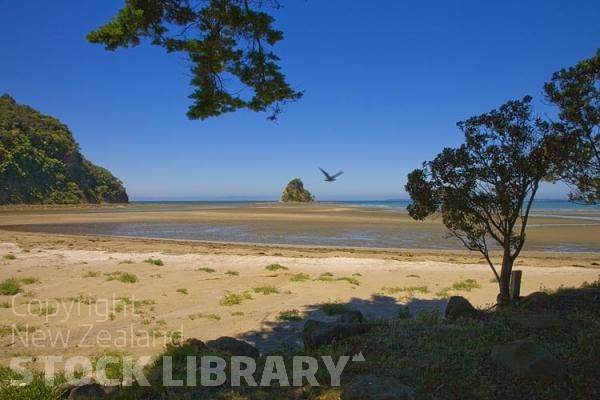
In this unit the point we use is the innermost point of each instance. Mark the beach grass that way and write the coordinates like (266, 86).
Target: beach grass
(233, 299)
(205, 269)
(266, 290)
(300, 277)
(289, 315)
(154, 261)
(275, 267)
(10, 287)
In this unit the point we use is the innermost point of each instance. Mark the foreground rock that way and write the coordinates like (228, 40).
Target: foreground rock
(527, 360)
(321, 333)
(459, 307)
(295, 192)
(89, 392)
(233, 346)
(373, 387)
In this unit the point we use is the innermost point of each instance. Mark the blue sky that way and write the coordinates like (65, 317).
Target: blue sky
(385, 82)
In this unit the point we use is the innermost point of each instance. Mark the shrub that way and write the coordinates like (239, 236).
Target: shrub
(233, 299)
(126, 277)
(182, 291)
(10, 287)
(232, 273)
(10, 256)
(275, 267)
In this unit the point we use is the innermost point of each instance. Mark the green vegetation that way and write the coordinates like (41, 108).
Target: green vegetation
(334, 308)
(300, 277)
(233, 299)
(408, 289)
(205, 269)
(41, 163)
(154, 261)
(242, 49)
(91, 274)
(576, 147)
(128, 261)
(9, 256)
(275, 267)
(182, 291)
(289, 315)
(295, 192)
(237, 313)
(484, 189)
(29, 280)
(124, 277)
(465, 286)
(266, 290)
(10, 287)
(329, 277)
(232, 273)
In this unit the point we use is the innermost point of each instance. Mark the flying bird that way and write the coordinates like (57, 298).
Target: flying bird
(330, 178)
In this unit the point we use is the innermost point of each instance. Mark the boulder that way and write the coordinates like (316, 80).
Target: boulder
(527, 360)
(459, 307)
(350, 317)
(320, 333)
(295, 192)
(88, 392)
(373, 387)
(233, 346)
(536, 300)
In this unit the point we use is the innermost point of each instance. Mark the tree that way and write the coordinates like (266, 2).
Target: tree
(576, 92)
(227, 41)
(484, 189)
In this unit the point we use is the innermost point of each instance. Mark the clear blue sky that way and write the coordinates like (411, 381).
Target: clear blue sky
(385, 82)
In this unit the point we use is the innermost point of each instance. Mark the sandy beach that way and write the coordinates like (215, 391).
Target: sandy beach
(74, 282)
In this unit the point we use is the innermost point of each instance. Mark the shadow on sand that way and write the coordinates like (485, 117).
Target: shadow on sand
(286, 336)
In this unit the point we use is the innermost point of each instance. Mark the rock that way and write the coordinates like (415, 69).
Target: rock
(197, 344)
(459, 307)
(233, 346)
(295, 192)
(319, 333)
(350, 317)
(536, 300)
(88, 392)
(373, 387)
(527, 360)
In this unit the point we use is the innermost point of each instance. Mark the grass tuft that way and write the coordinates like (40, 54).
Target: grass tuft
(205, 269)
(154, 261)
(10, 287)
(266, 290)
(231, 272)
(233, 299)
(9, 256)
(182, 291)
(300, 277)
(275, 267)
(289, 315)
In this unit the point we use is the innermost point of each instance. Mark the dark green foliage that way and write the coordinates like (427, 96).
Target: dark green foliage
(484, 189)
(222, 39)
(295, 192)
(40, 162)
(576, 92)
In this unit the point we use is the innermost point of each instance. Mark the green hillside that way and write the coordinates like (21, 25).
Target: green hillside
(40, 162)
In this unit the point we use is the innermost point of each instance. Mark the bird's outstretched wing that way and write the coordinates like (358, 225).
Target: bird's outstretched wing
(338, 174)
(325, 173)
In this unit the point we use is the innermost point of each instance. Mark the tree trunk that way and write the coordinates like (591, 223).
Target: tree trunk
(507, 265)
